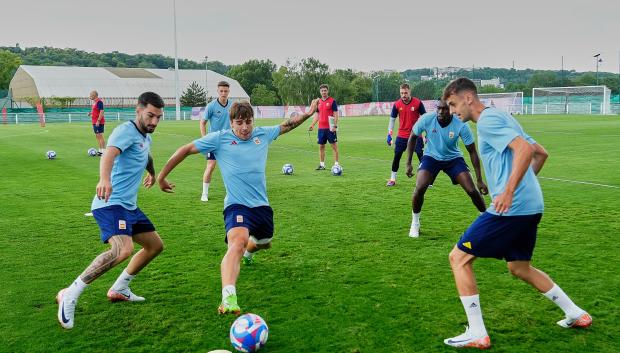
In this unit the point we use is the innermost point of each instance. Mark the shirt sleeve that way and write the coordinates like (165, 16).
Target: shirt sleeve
(421, 109)
(394, 111)
(466, 135)
(272, 132)
(334, 106)
(120, 138)
(100, 105)
(419, 126)
(208, 112)
(496, 132)
(208, 143)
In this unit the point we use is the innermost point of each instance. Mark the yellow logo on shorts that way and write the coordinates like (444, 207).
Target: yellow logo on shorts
(122, 224)
(239, 219)
(467, 245)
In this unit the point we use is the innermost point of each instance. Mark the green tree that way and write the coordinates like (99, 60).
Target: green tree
(491, 89)
(313, 73)
(9, 62)
(252, 73)
(261, 95)
(424, 90)
(194, 96)
(543, 79)
(386, 86)
(288, 84)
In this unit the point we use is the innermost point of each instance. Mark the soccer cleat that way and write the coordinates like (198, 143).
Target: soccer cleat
(391, 183)
(583, 321)
(99, 154)
(467, 340)
(414, 231)
(320, 167)
(229, 306)
(247, 260)
(204, 198)
(66, 309)
(124, 295)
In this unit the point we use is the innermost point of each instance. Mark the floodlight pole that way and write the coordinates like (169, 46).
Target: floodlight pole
(597, 59)
(176, 64)
(206, 79)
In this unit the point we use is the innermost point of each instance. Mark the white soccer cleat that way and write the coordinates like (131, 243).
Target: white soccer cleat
(66, 309)
(583, 321)
(467, 340)
(414, 231)
(204, 198)
(124, 295)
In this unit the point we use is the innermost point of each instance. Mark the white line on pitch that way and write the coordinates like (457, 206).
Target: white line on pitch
(581, 182)
(19, 135)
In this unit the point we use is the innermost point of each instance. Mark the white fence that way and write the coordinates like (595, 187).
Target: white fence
(74, 117)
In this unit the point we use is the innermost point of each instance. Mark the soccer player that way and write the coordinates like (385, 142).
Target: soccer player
(507, 230)
(442, 153)
(115, 209)
(408, 109)
(242, 155)
(98, 120)
(327, 117)
(216, 115)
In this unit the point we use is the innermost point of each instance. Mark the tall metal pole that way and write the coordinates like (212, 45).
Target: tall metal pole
(597, 59)
(176, 65)
(562, 72)
(206, 79)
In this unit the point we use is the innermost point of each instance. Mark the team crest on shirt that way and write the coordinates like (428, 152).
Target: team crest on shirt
(451, 134)
(401, 109)
(413, 109)
(122, 224)
(434, 131)
(257, 140)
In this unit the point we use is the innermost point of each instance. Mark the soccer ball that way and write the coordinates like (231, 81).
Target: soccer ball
(92, 152)
(248, 333)
(336, 170)
(51, 155)
(287, 169)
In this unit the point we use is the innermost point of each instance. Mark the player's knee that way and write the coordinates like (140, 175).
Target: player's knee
(518, 271)
(124, 251)
(157, 247)
(237, 244)
(472, 192)
(456, 258)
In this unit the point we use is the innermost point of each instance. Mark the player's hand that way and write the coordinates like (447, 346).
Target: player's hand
(482, 187)
(333, 128)
(165, 186)
(89, 113)
(409, 170)
(97, 123)
(389, 138)
(104, 190)
(149, 180)
(310, 128)
(314, 105)
(502, 202)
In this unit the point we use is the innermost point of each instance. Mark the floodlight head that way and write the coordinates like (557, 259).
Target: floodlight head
(597, 55)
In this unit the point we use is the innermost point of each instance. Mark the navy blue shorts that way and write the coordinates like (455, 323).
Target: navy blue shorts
(453, 167)
(210, 156)
(502, 237)
(325, 135)
(98, 129)
(400, 144)
(117, 220)
(258, 221)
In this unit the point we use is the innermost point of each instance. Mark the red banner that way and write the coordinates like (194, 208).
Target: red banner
(41, 114)
(4, 115)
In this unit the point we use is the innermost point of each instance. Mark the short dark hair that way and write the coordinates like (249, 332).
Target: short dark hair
(151, 98)
(223, 84)
(324, 86)
(459, 85)
(405, 86)
(241, 110)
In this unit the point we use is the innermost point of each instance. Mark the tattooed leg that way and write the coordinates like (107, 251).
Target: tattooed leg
(121, 248)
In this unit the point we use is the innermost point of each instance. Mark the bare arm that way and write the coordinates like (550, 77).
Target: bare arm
(314, 121)
(539, 159)
(203, 127)
(336, 116)
(410, 149)
(475, 161)
(294, 121)
(522, 154)
(104, 186)
(174, 160)
(149, 180)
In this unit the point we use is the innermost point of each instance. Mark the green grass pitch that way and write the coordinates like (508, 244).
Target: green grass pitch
(343, 276)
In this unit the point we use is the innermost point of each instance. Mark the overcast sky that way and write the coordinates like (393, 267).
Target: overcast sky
(362, 35)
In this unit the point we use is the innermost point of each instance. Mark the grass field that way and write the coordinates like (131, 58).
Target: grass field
(343, 276)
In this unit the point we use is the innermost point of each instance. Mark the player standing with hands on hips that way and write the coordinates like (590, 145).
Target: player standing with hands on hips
(327, 117)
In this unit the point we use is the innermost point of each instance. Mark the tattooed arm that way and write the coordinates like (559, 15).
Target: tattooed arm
(294, 121)
(149, 180)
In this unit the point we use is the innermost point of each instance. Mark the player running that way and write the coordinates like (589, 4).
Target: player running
(242, 155)
(327, 117)
(216, 115)
(507, 230)
(408, 109)
(115, 209)
(442, 153)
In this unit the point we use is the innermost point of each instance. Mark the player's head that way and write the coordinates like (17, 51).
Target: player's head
(223, 89)
(442, 109)
(149, 110)
(405, 92)
(93, 95)
(460, 95)
(324, 90)
(242, 119)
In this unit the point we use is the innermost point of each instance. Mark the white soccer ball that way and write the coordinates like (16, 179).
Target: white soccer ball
(287, 169)
(92, 152)
(248, 333)
(336, 170)
(50, 155)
